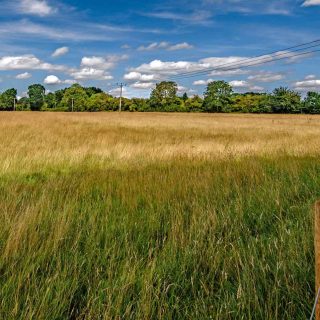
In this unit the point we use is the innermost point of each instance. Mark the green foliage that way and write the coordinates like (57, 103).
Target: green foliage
(36, 93)
(164, 95)
(23, 104)
(50, 100)
(251, 103)
(92, 90)
(185, 97)
(100, 102)
(139, 104)
(284, 100)
(75, 95)
(217, 97)
(312, 103)
(7, 99)
(194, 104)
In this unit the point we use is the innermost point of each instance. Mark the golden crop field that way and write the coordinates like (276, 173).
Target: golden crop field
(157, 216)
(30, 139)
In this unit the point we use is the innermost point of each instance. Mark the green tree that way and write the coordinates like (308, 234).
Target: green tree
(217, 97)
(164, 95)
(312, 103)
(23, 104)
(59, 96)
(139, 104)
(284, 100)
(8, 99)
(75, 95)
(251, 102)
(36, 93)
(185, 97)
(50, 100)
(100, 102)
(92, 90)
(194, 104)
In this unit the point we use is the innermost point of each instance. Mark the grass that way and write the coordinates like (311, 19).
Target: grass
(157, 216)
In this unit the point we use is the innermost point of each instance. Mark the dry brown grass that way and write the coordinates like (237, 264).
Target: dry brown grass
(28, 140)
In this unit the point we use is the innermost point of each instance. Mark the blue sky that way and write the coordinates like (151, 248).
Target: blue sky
(100, 43)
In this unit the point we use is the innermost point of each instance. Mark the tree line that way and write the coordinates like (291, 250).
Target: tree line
(218, 97)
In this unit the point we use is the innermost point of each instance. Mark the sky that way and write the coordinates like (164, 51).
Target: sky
(102, 43)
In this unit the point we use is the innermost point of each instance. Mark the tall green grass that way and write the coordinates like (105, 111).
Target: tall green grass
(187, 239)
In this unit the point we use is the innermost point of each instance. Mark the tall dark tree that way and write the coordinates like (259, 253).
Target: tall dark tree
(36, 93)
(185, 97)
(218, 97)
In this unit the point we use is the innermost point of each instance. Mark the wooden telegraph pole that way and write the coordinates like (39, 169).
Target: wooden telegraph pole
(317, 254)
(121, 85)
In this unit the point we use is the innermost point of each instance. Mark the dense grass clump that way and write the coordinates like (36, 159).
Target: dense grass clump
(151, 237)
(183, 240)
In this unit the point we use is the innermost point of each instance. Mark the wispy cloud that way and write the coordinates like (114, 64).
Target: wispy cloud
(166, 45)
(23, 76)
(35, 7)
(309, 3)
(60, 52)
(253, 7)
(75, 31)
(196, 17)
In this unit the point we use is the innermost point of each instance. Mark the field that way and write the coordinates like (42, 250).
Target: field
(157, 216)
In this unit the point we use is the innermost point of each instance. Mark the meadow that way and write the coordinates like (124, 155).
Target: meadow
(157, 216)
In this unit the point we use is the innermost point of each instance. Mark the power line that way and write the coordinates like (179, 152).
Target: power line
(235, 67)
(269, 56)
(258, 60)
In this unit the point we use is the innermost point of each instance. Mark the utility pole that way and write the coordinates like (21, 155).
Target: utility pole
(72, 104)
(14, 104)
(121, 85)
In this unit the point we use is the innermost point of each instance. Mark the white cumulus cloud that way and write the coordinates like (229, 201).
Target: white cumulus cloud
(143, 85)
(51, 80)
(54, 80)
(202, 82)
(90, 74)
(26, 62)
(137, 76)
(104, 63)
(242, 84)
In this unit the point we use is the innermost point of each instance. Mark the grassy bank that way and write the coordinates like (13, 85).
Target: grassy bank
(156, 235)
